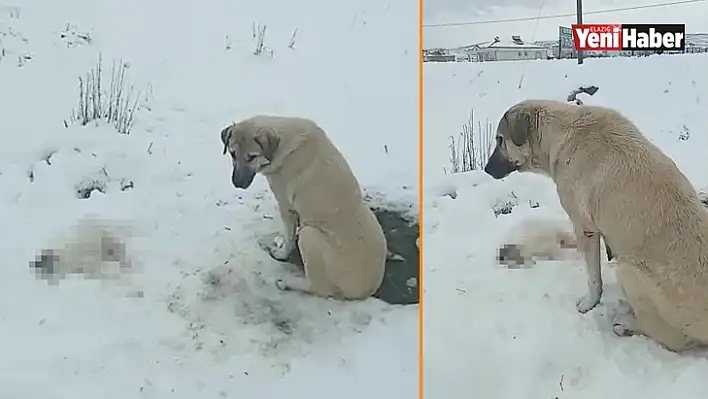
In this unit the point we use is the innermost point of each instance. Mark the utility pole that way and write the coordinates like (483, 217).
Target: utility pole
(579, 11)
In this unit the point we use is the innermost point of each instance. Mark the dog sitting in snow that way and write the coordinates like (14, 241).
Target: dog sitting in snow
(321, 205)
(617, 185)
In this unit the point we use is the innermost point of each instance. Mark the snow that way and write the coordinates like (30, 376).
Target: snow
(167, 328)
(495, 332)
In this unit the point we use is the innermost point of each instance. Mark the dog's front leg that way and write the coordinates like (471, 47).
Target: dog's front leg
(290, 220)
(589, 245)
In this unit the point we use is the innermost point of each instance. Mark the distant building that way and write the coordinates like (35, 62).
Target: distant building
(697, 48)
(498, 50)
(556, 52)
(516, 49)
(438, 55)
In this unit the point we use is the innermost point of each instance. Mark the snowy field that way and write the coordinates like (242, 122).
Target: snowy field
(166, 326)
(497, 332)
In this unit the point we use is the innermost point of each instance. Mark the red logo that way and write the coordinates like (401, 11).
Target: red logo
(616, 37)
(597, 37)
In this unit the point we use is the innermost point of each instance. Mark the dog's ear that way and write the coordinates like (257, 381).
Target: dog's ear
(268, 140)
(225, 137)
(520, 127)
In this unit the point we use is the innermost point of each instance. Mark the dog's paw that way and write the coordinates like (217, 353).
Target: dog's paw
(292, 283)
(587, 303)
(622, 325)
(622, 330)
(276, 247)
(278, 253)
(281, 285)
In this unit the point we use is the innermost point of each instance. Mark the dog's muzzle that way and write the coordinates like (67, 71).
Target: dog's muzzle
(242, 176)
(499, 167)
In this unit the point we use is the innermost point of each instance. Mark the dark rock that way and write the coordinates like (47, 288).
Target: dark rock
(401, 279)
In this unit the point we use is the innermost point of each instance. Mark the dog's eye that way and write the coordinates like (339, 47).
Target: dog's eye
(233, 154)
(500, 140)
(251, 157)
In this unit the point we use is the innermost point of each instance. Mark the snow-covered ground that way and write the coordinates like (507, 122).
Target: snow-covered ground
(495, 332)
(166, 329)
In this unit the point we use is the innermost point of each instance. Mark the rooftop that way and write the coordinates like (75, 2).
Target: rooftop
(515, 43)
(511, 44)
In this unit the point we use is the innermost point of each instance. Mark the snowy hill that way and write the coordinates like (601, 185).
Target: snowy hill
(496, 332)
(168, 328)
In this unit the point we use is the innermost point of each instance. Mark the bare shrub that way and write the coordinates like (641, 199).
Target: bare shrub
(473, 146)
(117, 105)
(13, 43)
(72, 36)
(291, 44)
(259, 36)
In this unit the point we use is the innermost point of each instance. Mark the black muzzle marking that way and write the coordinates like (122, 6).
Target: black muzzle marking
(499, 167)
(242, 176)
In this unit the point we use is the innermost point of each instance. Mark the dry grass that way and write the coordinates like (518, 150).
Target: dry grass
(116, 106)
(473, 146)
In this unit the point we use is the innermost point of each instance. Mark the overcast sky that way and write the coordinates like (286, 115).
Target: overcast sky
(694, 15)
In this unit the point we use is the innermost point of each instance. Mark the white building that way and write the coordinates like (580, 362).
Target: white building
(498, 50)
(438, 55)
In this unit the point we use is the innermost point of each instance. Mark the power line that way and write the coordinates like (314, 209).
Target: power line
(610, 10)
(533, 35)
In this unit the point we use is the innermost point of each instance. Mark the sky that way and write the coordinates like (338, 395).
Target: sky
(694, 15)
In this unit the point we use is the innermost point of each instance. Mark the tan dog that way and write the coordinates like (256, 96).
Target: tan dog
(615, 183)
(342, 244)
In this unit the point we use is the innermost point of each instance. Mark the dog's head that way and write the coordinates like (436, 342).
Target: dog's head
(516, 132)
(251, 148)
